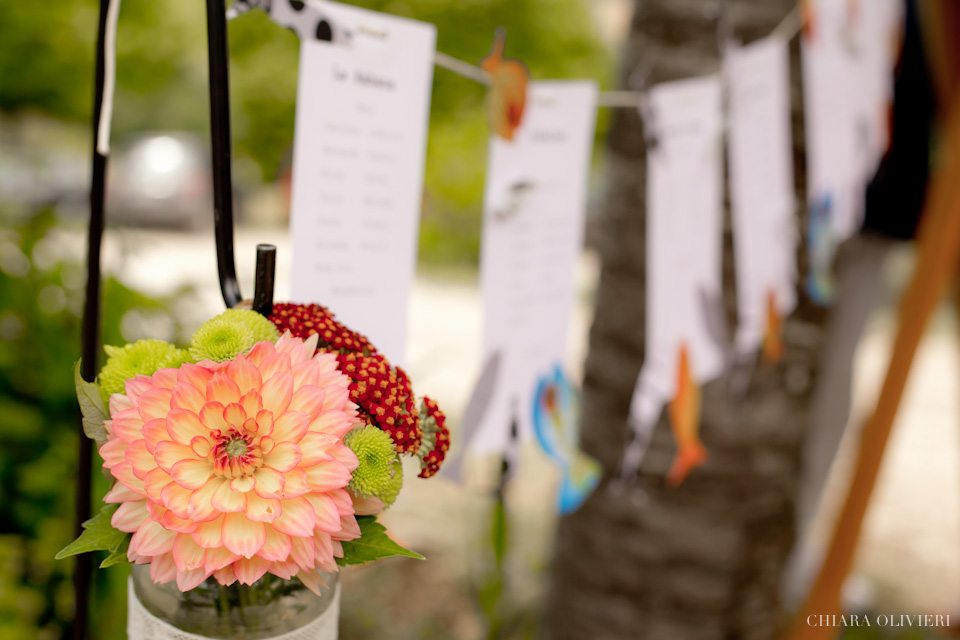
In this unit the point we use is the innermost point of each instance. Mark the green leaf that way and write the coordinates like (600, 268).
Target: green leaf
(118, 556)
(373, 544)
(91, 406)
(98, 535)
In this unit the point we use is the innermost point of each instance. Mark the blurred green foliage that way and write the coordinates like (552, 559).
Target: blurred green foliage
(42, 296)
(46, 66)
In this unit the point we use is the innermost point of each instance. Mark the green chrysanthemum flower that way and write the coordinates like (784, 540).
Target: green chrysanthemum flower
(231, 333)
(379, 473)
(142, 357)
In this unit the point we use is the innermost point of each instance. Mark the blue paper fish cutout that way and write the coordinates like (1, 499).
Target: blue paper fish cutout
(821, 247)
(555, 416)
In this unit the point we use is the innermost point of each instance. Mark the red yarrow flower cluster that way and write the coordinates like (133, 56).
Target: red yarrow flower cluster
(434, 458)
(303, 320)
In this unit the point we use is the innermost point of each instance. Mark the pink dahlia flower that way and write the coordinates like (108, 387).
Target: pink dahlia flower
(235, 469)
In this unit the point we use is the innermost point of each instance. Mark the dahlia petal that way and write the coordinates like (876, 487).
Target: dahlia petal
(251, 403)
(301, 552)
(269, 483)
(130, 516)
(137, 385)
(313, 448)
(191, 474)
(266, 445)
(345, 456)
(154, 404)
(326, 512)
(285, 570)
(277, 546)
(337, 549)
(123, 472)
(244, 373)
(187, 554)
(225, 576)
(262, 509)
(264, 423)
(335, 398)
(164, 378)
(291, 426)
(222, 389)
(195, 375)
(154, 432)
(156, 510)
(284, 456)
(168, 453)
(187, 580)
(277, 392)
(175, 523)
(117, 403)
(162, 568)
(305, 373)
(120, 493)
(154, 483)
(216, 559)
(260, 352)
(322, 547)
(243, 484)
(310, 400)
(113, 452)
(234, 415)
(126, 425)
(349, 529)
(327, 476)
(186, 396)
(243, 536)
(333, 422)
(311, 581)
(310, 344)
(227, 500)
(209, 535)
(200, 507)
(274, 364)
(295, 483)
(201, 446)
(151, 539)
(184, 425)
(327, 361)
(343, 500)
(333, 379)
(177, 499)
(211, 417)
(368, 505)
(140, 459)
(297, 517)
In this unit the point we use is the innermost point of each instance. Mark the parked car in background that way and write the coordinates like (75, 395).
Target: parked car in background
(160, 179)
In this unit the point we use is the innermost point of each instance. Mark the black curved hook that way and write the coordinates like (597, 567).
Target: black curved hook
(220, 150)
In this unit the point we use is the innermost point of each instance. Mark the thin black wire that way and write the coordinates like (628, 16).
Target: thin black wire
(90, 337)
(220, 150)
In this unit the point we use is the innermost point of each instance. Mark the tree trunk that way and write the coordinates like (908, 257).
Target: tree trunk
(703, 560)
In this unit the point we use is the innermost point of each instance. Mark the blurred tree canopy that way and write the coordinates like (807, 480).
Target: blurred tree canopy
(46, 66)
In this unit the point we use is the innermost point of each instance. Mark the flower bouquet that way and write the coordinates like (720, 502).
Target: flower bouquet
(251, 466)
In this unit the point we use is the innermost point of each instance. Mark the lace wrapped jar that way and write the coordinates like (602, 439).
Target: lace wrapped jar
(271, 608)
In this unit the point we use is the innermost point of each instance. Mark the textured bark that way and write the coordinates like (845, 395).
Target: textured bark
(703, 560)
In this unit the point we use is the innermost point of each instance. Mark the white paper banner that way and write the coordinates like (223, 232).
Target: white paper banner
(533, 220)
(761, 185)
(684, 246)
(361, 130)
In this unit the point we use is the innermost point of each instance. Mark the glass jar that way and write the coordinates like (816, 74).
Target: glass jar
(270, 607)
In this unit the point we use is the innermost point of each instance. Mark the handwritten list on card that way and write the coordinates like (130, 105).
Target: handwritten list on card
(533, 220)
(361, 129)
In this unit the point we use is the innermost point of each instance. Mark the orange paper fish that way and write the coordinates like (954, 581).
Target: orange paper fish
(507, 96)
(685, 422)
(772, 341)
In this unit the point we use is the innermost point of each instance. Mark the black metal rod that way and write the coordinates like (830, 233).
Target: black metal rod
(220, 149)
(90, 337)
(264, 279)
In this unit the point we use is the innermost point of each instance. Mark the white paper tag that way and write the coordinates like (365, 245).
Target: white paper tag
(361, 132)
(684, 244)
(761, 185)
(533, 221)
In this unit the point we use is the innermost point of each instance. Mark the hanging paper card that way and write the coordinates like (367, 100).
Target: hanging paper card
(362, 112)
(533, 221)
(556, 415)
(684, 232)
(761, 191)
